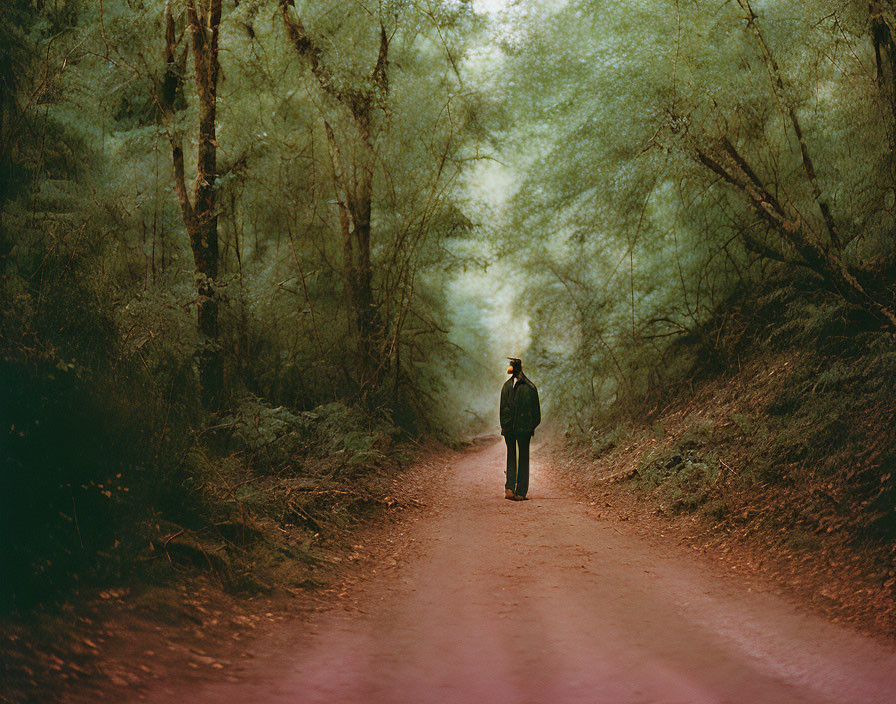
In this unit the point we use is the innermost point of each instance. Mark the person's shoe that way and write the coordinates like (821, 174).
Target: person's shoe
(508, 494)
(517, 497)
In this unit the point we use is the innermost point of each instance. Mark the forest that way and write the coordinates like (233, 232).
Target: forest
(256, 254)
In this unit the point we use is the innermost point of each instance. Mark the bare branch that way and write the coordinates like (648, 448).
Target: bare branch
(780, 93)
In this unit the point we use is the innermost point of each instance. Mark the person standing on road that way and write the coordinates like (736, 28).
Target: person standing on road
(520, 415)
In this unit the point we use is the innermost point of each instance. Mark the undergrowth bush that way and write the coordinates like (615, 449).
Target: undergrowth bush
(107, 453)
(795, 436)
(83, 456)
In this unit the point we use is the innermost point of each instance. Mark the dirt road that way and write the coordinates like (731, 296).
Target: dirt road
(543, 601)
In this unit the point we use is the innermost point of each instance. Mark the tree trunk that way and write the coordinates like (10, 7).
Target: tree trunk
(199, 213)
(354, 191)
(882, 13)
(366, 314)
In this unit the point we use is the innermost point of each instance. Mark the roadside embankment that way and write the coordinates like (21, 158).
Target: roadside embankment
(779, 467)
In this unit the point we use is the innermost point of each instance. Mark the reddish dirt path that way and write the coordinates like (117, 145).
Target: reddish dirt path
(543, 602)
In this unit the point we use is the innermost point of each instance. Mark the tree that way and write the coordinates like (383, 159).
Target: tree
(882, 14)
(353, 170)
(665, 173)
(804, 242)
(199, 211)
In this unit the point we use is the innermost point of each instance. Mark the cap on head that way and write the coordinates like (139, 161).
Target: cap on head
(516, 365)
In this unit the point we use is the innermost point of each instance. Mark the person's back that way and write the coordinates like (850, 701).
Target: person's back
(520, 414)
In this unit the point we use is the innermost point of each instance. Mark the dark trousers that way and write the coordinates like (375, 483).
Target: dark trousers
(517, 467)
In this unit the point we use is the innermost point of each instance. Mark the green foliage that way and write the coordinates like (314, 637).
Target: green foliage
(277, 438)
(106, 450)
(614, 437)
(84, 454)
(684, 479)
(270, 436)
(634, 242)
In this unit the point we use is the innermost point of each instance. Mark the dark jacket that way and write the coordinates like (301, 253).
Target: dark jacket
(520, 410)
